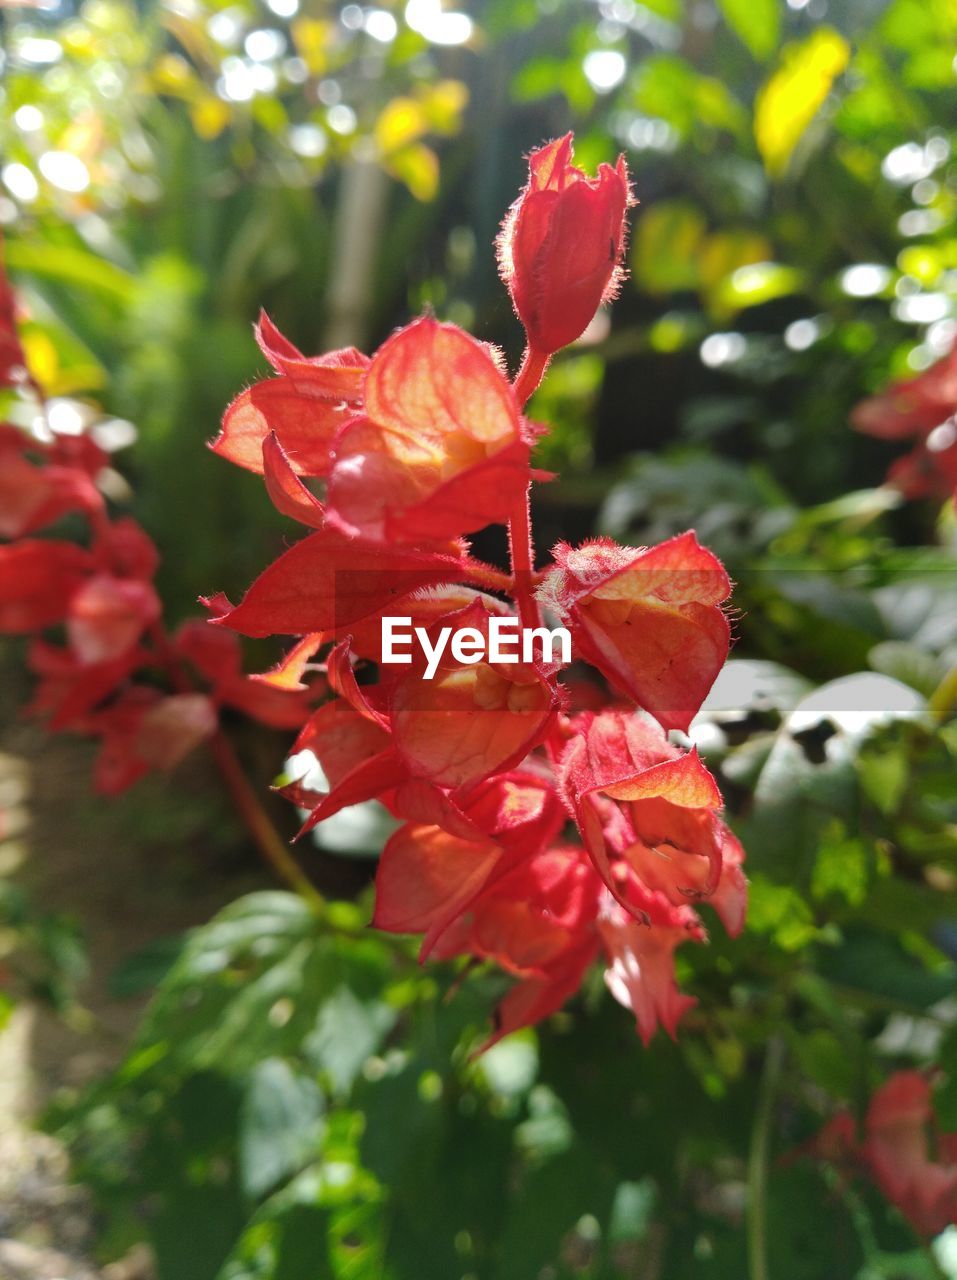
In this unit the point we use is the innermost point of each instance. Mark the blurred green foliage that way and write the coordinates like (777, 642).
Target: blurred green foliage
(301, 1102)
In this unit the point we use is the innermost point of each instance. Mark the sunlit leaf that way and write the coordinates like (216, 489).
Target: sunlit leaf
(795, 93)
(669, 238)
(418, 167)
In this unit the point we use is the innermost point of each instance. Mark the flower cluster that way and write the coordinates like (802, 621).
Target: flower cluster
(103, 678)
(923, 409)
(546, 820)
(900, 1133)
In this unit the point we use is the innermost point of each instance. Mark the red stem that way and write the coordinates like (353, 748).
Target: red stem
(521, 549)
(522, 555)
(530, 373)
(267, 839)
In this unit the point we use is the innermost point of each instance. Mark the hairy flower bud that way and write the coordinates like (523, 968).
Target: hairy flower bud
(561, 245)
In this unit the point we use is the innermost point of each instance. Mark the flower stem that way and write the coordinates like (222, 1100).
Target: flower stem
(522, 556)
(268, 841)
(521, 550)
(486, 575)
(758, 1160)
(270, 844)
(530, 373)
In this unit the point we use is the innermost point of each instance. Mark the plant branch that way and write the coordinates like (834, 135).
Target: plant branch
(522, 557)
(270, 844)
(521, 550)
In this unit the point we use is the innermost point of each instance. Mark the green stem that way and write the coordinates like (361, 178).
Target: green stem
(758, 1162)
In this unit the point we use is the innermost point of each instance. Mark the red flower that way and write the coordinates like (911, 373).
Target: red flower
(108, 616)
(38, 581)
(469, 721)
(561, 245)
(639, 799)
(13, 363)
(896, 1151)
(441, 451)
(923, 408)
(414, 449)
(32, 495)
(143, 730)
(641, 975)
(429, 445)
(216, 656)
(435, 866)
(634, 611)
(304, 407)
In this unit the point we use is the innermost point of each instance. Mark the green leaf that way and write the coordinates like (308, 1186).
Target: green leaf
(280, 1125)
(246, 984)
(668, 238)
(755, 22)
(67, 265)
(348, 1031)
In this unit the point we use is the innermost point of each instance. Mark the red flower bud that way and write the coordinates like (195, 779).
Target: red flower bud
(561, 245)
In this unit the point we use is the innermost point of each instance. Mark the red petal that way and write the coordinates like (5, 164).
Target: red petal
(37, 582)
(326, 581)
(426, 876)
(108, 616)
(305, 422)
(289, 495)
(338, 375)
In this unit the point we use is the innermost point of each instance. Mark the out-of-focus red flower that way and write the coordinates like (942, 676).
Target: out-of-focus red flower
(923, 408)
(13, 363)
(638, 798)
(35, 489)
(68, 688)
(144, 730)
(108, 616)
(561, 245)
(649, 619)
(38, 581)
(903, 1150)
(898, 1126)
(216, 656)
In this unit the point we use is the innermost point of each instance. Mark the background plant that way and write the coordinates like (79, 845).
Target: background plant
(785, 262)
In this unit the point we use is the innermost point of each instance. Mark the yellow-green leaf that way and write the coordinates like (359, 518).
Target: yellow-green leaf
(795, 93)
(667, 247)
(418, 167)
